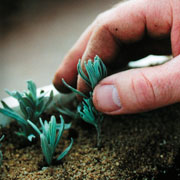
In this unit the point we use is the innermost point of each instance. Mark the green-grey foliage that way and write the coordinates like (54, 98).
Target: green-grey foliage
(1, 155)
(73, 89)
(96, 71)
(89, 114)
(67, 112)
(31, 106)
(50, 134)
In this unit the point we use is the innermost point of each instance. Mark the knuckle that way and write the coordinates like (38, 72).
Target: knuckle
(102, 20)
(143, 91)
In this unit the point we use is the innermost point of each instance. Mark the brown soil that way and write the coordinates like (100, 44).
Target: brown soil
(144, 146)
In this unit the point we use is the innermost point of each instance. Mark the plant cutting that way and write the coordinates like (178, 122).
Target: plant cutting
(31, 106)
(96, 71)
(50, 134)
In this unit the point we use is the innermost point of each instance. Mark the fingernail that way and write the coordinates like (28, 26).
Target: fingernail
(107, 98)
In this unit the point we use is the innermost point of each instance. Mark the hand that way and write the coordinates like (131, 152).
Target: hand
(127, 32)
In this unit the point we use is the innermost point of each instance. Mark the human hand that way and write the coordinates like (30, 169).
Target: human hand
(127, 32)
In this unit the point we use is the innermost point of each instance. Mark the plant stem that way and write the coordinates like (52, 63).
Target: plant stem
(98, 129)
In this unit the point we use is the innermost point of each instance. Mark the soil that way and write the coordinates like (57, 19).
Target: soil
(144, 146)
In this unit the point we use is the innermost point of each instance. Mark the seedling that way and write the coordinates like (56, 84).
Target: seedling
(31, 106)
(96, 71)
(50, 134)
(1, 156)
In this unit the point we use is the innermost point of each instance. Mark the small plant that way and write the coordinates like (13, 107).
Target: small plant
(31, 107)
(50, 135)
(96, 71)
(1, 156)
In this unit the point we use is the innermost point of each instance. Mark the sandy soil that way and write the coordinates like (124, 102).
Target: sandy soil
(143, 146)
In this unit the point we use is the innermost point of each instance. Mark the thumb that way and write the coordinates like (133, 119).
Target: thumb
(139, 90)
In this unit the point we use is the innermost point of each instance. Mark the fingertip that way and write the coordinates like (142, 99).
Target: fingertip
(59, 85)
(82, 86)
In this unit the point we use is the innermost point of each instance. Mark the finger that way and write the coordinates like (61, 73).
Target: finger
(139, 90)
(175, 33)
(68, 68)
(107, 51)
(132, 24)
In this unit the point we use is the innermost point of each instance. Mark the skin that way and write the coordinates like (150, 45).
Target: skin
(133, 29)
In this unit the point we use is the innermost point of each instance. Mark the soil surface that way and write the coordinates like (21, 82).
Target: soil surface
(145, 146)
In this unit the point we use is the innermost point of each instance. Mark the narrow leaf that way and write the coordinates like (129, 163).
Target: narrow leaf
(65, 151)
(67, 112)
(45, 149)
(13, 115)
(6, 106)
(52, 132)
(31, 136)
(13, 93)
(34, 127)
(73, 89)
(60, 132)
(32, 88)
